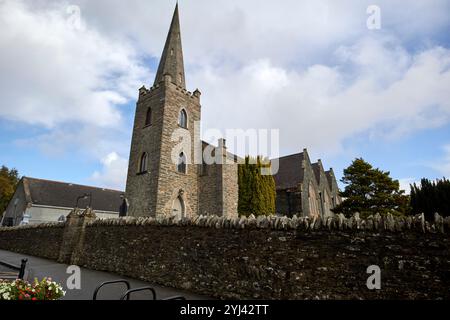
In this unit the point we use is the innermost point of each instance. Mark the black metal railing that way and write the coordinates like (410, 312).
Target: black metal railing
(127, 284)
(21, 269)
(127, 294)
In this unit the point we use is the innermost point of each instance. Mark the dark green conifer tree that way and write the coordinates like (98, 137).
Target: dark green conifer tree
(256, 191)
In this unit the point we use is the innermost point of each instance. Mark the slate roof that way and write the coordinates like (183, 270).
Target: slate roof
(62, 194)
(290, 173)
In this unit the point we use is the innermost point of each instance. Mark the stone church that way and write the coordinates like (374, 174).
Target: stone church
(305, 188)
(155, 182)
(159, 184)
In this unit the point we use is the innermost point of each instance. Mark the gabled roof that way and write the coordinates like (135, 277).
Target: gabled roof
(62, 194)
(290, 172)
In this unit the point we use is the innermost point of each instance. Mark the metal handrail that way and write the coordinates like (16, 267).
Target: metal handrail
(21, 269)
(127, 294)
(23, 265)
(111, 282)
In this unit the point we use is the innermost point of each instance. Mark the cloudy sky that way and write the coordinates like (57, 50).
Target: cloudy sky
(70, 73)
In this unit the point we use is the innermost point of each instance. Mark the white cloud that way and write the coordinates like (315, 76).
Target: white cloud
(405, 184)
(236, 31)
(443, 165)
(79, 141)
(313, 70)
(113, 173)
(320, 107)
(53, 73)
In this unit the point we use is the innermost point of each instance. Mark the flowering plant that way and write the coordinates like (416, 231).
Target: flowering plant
(46, 289)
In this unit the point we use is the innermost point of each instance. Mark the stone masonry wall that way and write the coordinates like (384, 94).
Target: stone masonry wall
(171, 182)
(37, 240)
(208, 203)
(271, 258)
(277, 258)
(230, 190)
(309, 178)
(141, 188)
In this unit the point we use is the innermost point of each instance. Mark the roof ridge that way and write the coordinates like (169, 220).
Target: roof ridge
(71, 183)
(290, 155)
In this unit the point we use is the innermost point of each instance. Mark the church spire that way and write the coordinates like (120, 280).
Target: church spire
(172, 57)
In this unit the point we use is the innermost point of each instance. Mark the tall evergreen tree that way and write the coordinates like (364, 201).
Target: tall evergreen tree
(369, 190)
(431, 197)
(256, 191)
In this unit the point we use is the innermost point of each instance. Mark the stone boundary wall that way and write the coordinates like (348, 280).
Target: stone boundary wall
(266, 257)
(41, 240)
(337, 222)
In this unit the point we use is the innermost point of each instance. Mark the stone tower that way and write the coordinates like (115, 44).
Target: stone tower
(162, 177)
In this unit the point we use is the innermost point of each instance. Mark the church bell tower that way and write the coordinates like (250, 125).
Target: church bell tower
(162, 177)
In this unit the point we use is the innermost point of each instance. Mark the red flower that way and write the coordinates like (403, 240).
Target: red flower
(34, 299)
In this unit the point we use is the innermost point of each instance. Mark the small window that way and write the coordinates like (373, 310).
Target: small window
(181, 166)
(143, 164)
(148, 117)
(182, 119)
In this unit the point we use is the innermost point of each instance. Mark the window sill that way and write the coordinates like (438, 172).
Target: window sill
(147, 125)
(141, 173)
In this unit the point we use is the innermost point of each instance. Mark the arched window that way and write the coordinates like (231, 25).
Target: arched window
(148, 117)
(143, 164)
(181, 165)
(182, 119)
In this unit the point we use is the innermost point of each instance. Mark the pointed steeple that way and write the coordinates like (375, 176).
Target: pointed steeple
(172, 57)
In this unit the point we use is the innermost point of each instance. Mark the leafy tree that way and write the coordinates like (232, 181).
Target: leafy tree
(256, 191)
(431, 197)
(369, 191)
(8, 182)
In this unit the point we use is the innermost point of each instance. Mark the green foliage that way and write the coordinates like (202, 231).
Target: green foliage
(256, 191)
(431, 197)
(8, 183)
(46, 289)
(369, 191)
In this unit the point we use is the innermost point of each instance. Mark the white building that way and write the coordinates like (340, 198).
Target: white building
(40, 201)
